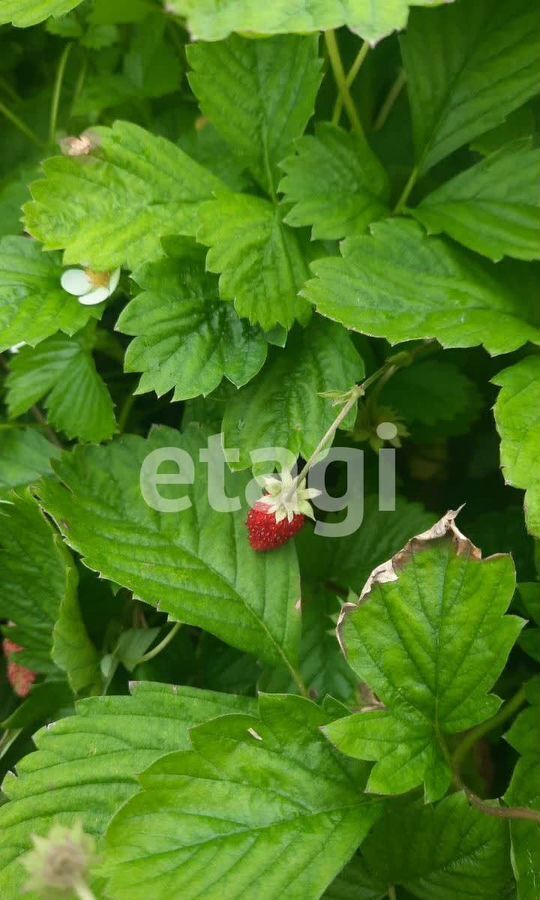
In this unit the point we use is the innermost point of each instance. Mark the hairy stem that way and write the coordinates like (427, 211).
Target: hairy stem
(57, 93)
(390, 99)
(162, 644)
(351, 75)
(475, 734)
(341, 81)
(405, 194)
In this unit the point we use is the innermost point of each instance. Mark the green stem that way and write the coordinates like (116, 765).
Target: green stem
(351, 75)
(81, 78)
(341, 81)
(391, 892)
(57, 93)
(162, 644)
(472, 737)
(411, 181)
(391, 98)
(8, 738)
(125, 412)
(23, 128)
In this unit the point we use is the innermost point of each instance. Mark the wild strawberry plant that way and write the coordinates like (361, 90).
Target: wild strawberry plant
(235, 235)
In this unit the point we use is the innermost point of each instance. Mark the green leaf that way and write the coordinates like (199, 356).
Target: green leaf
(493, 208)
(260, 258)
(195, 564)
(186, 338)
(335, 183)
(468, 66)
(40, 595)
(33, 305)
(524, 791)
(517, 416)
(113, 207)
(440, 852)
(25, 455)
(86, 765)
(519, 124)
(282, 407)
(349, 561)
(152, 65)
(29, 12)
(430, 638)
(399, 284)
(63, 372)
(258, 94)
(212, 20)
(261, 805)
(355, 882)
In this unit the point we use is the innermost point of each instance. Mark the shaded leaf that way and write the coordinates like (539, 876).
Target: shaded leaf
(25, 455)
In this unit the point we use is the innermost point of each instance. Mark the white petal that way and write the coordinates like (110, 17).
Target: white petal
(113, 281)
(98, 295)
(17, 347)
(76, 282)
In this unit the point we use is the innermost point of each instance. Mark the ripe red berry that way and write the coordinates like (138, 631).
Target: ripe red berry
(267, 534)
(20, 678)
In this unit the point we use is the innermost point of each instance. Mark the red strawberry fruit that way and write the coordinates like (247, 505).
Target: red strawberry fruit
(280, 513)
(265, 533)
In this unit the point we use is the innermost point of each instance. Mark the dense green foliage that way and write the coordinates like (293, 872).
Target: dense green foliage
(239, 225)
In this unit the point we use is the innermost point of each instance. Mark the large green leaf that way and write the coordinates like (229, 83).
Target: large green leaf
(30, 12)
(399, 284)
(258, 94)
(33, 305)
(186, 338)
(440, 852)
(524, 791)
(282, 407)
(113, 207)
(196, 564)
(39, 594)
(335, 183)
(211, 20)
(468, 65)
(62, 371)
(25, 455)
(86, 765)
(260, 259)
(517, 415)
(493, 208)
(260, 807)
(430, 637)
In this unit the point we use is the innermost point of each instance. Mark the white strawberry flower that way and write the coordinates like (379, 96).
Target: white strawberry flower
(285, 499)
(89, 286)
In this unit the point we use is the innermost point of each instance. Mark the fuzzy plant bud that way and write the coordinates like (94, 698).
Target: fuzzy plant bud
(58, 865)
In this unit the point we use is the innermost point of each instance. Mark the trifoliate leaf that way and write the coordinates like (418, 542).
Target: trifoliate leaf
(33, 305)
(335, 183)
(260, 258)
(194, 563)
(113, 207)
(39, 595)
(258, 94)
(282, 407)
(399, 284)
(524, 791)
(186, 338)
(25, 455)
(212, 20)
(468, 65)
(440, 852)
(29, 12)
(260, 807)
(348, 561)
(517, 416)
(86, 765)
(430, 638)
(63, 372)
(493, 208)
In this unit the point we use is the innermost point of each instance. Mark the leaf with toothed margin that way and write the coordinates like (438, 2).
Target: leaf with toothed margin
(517, 416)
(430, 637)
(194, 563)
(399, 284)
(86, 766)
(112, 208)
(23, 13)
(261, 807)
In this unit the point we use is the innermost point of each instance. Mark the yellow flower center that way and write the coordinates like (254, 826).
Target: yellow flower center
(98, 279)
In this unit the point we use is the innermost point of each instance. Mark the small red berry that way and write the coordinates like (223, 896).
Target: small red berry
(20, 678)
(267, 534)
